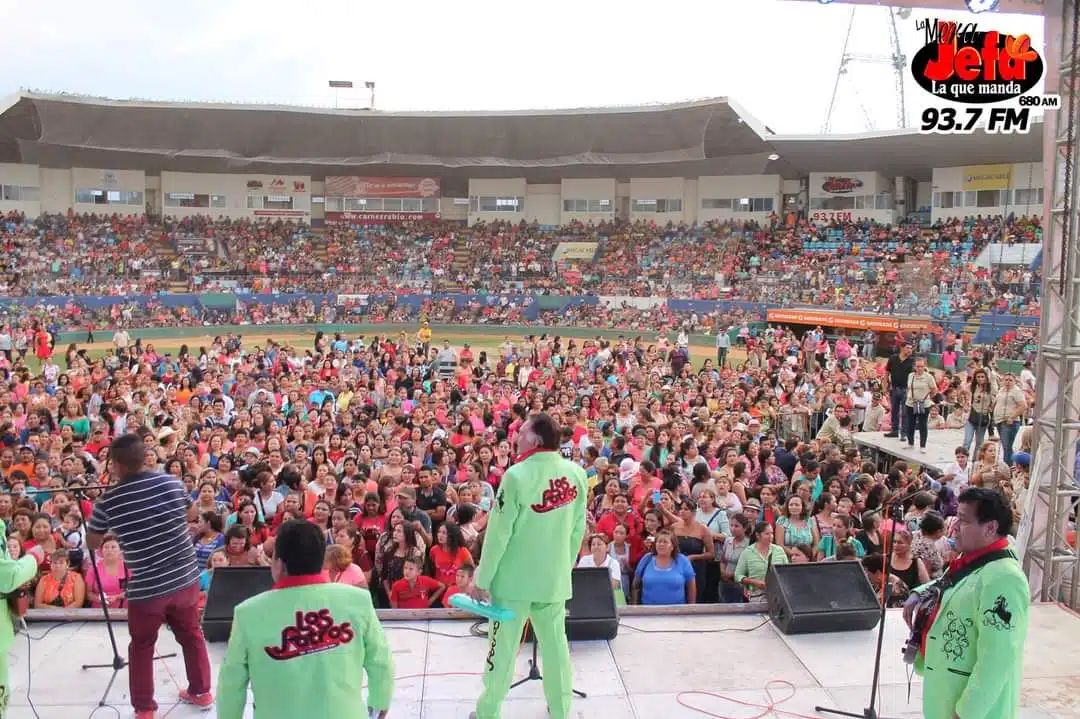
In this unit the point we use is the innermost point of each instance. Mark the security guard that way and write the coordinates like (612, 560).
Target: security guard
(305, 645)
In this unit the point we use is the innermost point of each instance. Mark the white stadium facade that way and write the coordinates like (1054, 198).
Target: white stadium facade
(686, 162)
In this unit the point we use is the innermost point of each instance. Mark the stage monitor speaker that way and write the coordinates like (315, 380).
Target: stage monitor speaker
(229, 587)
(821, 597)
(591, 612)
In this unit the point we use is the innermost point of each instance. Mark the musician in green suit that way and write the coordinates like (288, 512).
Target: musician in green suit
(971, 654)
(13, 574)
(533, 539)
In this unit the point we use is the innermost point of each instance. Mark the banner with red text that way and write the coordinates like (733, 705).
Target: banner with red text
(378, 218)
(383, 187)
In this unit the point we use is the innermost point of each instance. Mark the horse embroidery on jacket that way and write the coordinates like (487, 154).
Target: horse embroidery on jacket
(999, 616)
(956, 636)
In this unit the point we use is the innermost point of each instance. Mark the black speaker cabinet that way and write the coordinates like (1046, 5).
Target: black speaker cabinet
(821, 597)
(229, 587)
(590, 613)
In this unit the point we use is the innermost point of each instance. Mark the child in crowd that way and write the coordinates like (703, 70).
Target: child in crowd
(414, 590)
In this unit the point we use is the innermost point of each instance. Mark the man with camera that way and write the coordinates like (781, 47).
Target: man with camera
(969, 627)
(306, 645)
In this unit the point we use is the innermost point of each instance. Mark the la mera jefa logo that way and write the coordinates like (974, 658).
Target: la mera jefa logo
(964, 64)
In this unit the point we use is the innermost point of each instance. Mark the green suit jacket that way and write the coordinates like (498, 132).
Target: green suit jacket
(975, 648)
(13, 574)
(535, 530)
(304, 647)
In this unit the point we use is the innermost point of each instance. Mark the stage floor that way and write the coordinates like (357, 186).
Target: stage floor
(941, 446)
(638, 675)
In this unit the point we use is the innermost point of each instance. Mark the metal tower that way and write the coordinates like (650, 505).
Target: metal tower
(895, 60)
(1051, 561)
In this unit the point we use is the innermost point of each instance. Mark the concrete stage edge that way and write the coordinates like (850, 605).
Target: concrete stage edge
(656, 666)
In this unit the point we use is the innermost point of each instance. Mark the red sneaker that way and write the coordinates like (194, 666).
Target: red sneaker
(202, 701)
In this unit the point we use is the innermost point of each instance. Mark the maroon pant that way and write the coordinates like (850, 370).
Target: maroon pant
(180, 611)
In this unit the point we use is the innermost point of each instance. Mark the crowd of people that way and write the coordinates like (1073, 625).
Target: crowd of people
(905, 268)
(395, 446)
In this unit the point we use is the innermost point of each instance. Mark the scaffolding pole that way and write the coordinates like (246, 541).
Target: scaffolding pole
(1051, 561)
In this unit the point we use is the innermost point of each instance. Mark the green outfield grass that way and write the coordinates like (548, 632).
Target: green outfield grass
(478, 340)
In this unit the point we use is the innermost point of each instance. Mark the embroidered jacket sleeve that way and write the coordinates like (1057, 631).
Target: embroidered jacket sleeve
(1001, 620)
(499, 529)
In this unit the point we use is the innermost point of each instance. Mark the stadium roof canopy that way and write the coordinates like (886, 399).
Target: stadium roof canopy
(707, 137)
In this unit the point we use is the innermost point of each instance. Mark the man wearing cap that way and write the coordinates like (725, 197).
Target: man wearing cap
(532, 543)
(406, 499)
(306, 645)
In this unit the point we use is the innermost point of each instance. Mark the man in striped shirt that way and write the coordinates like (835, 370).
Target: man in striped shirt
(147, 511)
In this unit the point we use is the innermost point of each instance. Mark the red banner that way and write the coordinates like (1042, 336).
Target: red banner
(378, 218)
(279, 213)
(846, 320)
(383, 187)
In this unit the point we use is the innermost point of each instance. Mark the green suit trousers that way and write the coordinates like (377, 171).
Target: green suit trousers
(504, 639)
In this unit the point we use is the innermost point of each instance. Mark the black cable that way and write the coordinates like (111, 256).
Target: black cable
(476, 631)
(742, 630)
(29, 670)
(30, 639)
(434, 633)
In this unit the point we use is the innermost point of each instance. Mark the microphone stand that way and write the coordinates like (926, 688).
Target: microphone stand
(118, 663)
(870, 712)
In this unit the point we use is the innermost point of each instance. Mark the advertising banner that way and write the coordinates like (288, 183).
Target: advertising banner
(987, 177)
(846, 320)
(383, 187)
(575, 252)
(641, 303)
(277, 185)
(379, 218)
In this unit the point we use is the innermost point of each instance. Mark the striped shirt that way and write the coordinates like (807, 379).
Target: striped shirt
(148, 514)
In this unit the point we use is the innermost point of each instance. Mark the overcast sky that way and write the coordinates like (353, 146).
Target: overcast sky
(776, 58)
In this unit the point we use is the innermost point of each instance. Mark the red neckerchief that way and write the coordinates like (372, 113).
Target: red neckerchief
(525, 455)
(301, 580)
(954, 566)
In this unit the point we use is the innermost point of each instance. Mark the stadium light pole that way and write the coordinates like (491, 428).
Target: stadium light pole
(337, 85)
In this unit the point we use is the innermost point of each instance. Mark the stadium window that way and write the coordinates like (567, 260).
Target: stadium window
(318, 200)
(716, 203)
(334, 204)
(644, 205)
(254, 202)
(474, 203)
(838, 202)
(186, 199)
(990, 198)
(500, 204)
(431, 204)
(948, 200)
(575, 205)
(277, 202)
(761, 204)
(1033, 196)
(669, 205)
(19, 193)
(391, 204)
(218, 201)
(601, 206)
(86, 197)
(411, 204)
(883, 201)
